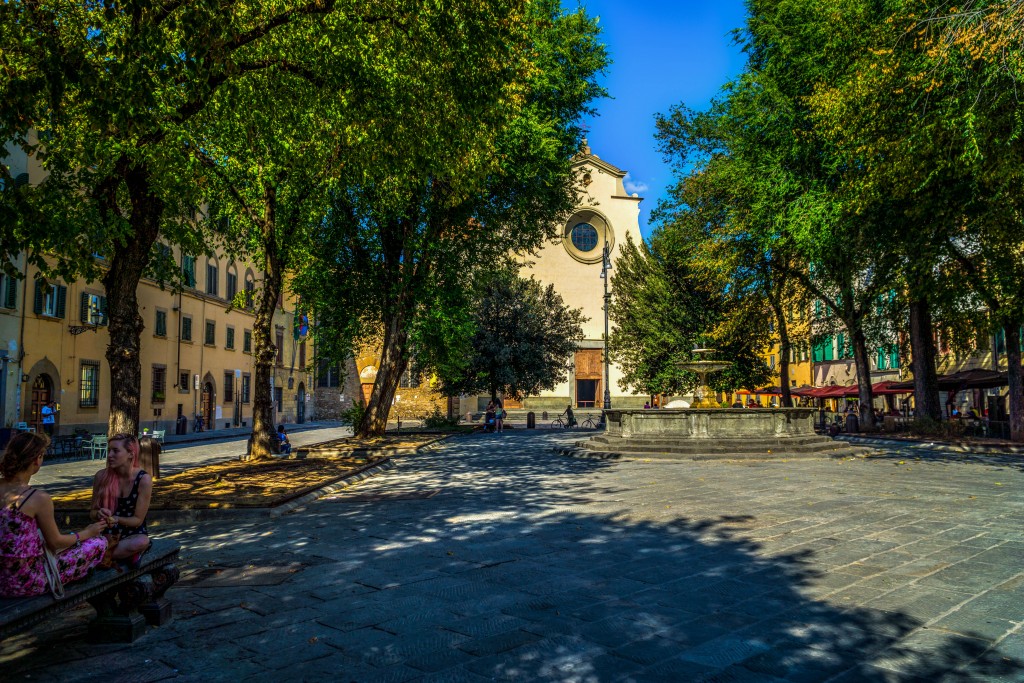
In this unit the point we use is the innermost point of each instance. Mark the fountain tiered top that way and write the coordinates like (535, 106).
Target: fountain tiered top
(703, 367)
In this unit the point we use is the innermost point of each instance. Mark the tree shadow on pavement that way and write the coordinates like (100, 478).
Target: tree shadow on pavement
(526, 567)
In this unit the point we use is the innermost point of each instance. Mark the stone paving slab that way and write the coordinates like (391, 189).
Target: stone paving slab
(530, 566)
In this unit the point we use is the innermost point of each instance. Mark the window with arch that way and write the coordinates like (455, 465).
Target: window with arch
(250, 289)
(231, 283)
(212, 277)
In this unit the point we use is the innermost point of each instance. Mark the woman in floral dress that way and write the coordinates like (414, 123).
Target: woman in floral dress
(26, 513)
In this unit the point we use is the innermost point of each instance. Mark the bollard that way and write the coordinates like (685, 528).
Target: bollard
(531, 420)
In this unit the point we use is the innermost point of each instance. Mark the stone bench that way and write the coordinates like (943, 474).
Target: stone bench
(124, 601)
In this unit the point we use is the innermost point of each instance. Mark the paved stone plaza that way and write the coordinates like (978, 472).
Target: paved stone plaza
(491, 558)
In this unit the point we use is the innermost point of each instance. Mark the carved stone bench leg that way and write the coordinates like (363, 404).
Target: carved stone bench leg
(158, 611)
(117, 616)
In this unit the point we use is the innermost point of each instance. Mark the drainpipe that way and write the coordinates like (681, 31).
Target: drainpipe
(21, 340)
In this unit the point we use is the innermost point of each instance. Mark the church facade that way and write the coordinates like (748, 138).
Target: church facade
(573, 262)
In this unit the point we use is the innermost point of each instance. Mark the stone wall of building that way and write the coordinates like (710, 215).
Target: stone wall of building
(330, 403)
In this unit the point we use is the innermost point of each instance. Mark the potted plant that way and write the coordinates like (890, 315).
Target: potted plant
(158, 397)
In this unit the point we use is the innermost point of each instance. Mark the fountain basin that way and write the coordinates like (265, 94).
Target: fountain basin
(711, 434)
(711, 423)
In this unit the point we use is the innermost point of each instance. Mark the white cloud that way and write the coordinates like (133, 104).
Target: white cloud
(634, 186)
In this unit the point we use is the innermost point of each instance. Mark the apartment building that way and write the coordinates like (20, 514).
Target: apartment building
(196, 350)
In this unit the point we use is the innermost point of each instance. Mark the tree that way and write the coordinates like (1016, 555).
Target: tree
(661, 310)
(403, 233)
(112, 90)
(523, 343)
(929, 116)
(275, 158)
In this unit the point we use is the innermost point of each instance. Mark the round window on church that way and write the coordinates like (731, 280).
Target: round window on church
(584, 237)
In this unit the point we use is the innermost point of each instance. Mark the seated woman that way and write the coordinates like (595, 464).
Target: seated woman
(26, 512)
(121, 494)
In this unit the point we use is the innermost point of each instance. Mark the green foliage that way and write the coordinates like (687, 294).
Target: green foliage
(404, 234)
(522, 343)
(662, 310)
(440, 421)
(353, 415)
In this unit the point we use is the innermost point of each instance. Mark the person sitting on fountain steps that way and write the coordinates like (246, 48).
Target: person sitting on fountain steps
(570, 418)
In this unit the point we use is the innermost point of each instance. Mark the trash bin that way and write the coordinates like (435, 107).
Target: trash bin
(852, 423)
(181, 426)
(531, 420)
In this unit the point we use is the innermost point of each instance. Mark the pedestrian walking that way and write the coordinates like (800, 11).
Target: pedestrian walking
(49, 412)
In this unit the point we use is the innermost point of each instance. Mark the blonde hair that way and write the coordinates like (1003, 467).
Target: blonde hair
(109, 485)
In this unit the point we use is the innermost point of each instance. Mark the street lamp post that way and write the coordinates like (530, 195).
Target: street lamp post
(606, 265)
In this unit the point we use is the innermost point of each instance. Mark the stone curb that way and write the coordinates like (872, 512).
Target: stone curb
(258, 513)
(932, 445)
(386, 452)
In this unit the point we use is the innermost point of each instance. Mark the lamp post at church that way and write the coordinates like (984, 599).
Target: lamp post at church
(606, 265)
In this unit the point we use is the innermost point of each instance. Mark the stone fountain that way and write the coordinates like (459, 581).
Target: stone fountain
(706, 431)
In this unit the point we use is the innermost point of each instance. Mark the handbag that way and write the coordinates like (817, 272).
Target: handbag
(51, 570)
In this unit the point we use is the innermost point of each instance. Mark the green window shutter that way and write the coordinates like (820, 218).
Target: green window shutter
(84, 308)
(37, 304)
(842, 346)
(62, 300)
(188, 265)
(103, 310)
(894, 356)
(819, 352)
(11, 297)
(881, 358)
(817, 309)
(829, 349)
(161, 324)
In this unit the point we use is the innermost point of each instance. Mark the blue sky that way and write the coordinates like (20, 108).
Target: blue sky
(663, 52)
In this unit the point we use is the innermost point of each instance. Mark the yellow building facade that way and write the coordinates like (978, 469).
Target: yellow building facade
(196, 351)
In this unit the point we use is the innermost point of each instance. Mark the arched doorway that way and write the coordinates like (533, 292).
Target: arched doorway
(42, 393)
(206, 405)
(300, 404)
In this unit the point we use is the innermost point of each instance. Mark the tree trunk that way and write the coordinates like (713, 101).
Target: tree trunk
(394, 358)
(922, 356)
(862, 360)
(1016, 379)
(121, 283)
(263, 444)
(784, 346)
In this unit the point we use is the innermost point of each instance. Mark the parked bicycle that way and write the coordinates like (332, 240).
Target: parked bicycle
(590, 423)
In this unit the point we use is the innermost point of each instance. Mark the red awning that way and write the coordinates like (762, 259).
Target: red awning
(965, 379)
(888, 389)
(802, 390)
(829, 392)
